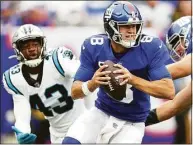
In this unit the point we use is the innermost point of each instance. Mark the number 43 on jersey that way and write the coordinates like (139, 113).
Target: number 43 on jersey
(35, 101)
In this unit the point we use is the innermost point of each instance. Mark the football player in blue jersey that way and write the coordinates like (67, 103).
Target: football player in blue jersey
(179, 42)
(141, 61)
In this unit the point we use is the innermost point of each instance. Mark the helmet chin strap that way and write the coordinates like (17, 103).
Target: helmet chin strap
(127, 44)
(33, 63)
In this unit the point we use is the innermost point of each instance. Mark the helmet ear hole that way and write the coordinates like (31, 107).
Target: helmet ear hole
(19, 56)
(114, 38)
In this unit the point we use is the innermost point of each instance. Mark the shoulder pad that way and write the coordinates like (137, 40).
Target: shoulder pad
(8, 82)
(65, 52)
(151, 43)
(59, 55)
(95, 41)
(153, 46)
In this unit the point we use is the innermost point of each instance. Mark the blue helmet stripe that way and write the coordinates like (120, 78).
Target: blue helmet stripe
(10, 84)
(57, 63)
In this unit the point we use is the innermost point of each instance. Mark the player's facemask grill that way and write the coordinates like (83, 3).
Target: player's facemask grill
(31, 63)
(173, 42)
(118, 37)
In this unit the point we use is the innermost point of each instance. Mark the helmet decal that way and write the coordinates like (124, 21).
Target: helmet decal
(29, 32)
(122, 13)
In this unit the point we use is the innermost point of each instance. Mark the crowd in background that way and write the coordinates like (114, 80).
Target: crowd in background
(157, 15)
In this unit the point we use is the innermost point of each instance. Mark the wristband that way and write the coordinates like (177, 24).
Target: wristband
(152, 118)
(85, 89)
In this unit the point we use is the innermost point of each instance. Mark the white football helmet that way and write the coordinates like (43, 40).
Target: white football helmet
(27, 32)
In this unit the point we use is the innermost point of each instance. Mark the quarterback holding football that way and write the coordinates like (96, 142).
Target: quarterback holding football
(140, 59)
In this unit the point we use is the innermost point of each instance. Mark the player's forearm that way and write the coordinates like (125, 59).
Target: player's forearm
(181, 68)
(166, 111)
(77, 91)
(23, 126)
(176, 71)
(22, 113)
(160, 88)
(171, 108)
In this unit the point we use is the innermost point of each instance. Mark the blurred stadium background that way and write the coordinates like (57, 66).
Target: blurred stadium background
(69, 23)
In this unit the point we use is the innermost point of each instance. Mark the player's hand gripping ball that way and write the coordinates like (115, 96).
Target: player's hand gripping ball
(114, 89)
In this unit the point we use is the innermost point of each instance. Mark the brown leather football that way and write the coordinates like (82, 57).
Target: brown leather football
(113, 89)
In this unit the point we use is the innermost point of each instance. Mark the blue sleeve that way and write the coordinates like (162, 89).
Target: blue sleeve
(86, 70)
(157, 68)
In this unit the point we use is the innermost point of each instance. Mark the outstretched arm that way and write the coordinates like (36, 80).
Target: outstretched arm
(181, 68)
(172, 107)
(22, 112)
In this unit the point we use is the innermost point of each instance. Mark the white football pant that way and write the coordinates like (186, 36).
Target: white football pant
(94, 126)
(55, 139)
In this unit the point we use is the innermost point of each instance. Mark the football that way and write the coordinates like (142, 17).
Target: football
(114, 89)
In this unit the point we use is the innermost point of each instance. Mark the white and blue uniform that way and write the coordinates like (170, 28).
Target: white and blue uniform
(52, 95)
(122, 122)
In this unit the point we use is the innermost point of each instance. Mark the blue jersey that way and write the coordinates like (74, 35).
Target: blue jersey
(145, 61)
